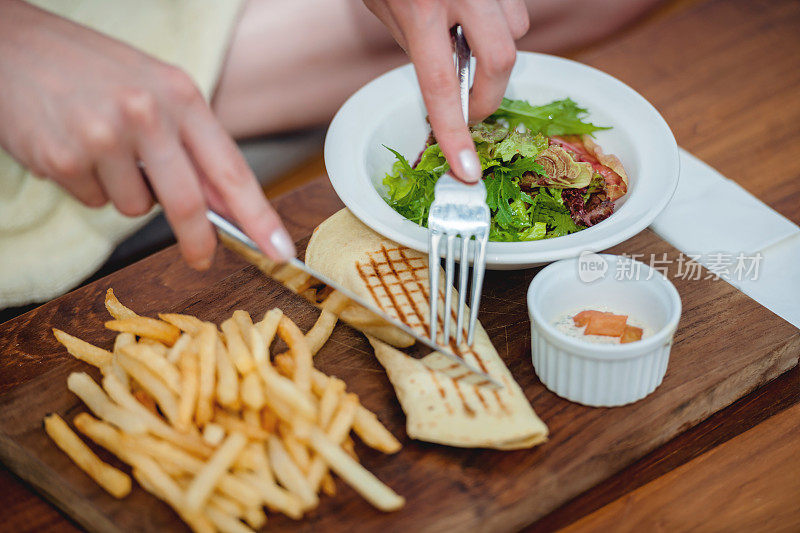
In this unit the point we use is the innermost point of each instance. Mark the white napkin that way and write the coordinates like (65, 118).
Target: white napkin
(720, 225)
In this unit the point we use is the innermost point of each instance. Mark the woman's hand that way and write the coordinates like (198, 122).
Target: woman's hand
(422, 28)
(83, 109)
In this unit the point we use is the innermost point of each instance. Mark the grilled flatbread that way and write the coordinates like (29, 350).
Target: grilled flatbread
(438, 408)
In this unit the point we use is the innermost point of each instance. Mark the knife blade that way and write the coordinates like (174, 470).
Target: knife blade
(325, 293)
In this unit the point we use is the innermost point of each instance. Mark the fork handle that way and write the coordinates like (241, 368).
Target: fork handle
(463, 67)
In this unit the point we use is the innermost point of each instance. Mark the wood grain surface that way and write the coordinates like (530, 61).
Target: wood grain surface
(760, 493)
(488, 490)
(724, 75)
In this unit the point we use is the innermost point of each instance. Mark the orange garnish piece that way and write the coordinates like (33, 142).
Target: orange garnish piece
(583, 318)
(607, 324)
(631, 334)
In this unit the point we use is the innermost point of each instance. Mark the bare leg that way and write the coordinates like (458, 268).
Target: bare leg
(292, 64)
(561, 25)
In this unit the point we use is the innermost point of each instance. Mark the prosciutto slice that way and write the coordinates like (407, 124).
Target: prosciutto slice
(609, 166)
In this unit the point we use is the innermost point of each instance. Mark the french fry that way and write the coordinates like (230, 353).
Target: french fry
(233, 424)
(143, 326)
(123, 339)
(329, 400)
(150, 475)
(155, 346)
(207, 354)
(255, 517)
(319, 333)
(258, 348)
(115, 308)
(268, 326)
(301, 354)
(328, 485)
(349, 447)
(288, 473)
(122, 395)
(269, 420)
(283, 395)
(80, 349)
(337, 430)
(167, 452)
(252, 391)
(296, 449)
(225, 504)
(105, 435)
(251, 417)
(225, 522)
(237, 348)
(366, 424)
(211, 425)
(156, 363)
(190, 383)
(246, 461)
(273, 496)
(115, 482)
(163, 396)
(145, 399)
(362, 480)
(227, 380)
(260, 461)
(244, 324)
(213, 433)
(187, 323)
(374, 434)
(175, 351)
(85, 388)
(206, 479)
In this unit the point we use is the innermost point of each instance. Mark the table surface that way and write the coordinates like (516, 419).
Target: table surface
(724, 75)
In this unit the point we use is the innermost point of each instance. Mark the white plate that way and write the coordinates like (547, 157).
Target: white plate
(389, 111)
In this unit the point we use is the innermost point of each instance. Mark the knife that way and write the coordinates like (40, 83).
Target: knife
(324, 293)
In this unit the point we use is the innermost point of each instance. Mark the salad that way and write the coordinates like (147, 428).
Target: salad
(545, 176)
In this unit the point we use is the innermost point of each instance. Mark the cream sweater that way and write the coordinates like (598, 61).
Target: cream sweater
(50, 242)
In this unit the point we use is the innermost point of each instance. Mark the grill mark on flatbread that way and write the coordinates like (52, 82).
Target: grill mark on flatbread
(405, 261)
(398, 267)
(441, 390)
(467, 409)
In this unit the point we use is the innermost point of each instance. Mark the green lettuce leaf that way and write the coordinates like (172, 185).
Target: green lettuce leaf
(561, 117)
(508, 158)
(520, 143)
(410, 191)
(488, 132)
(432, 160)
(548, 207)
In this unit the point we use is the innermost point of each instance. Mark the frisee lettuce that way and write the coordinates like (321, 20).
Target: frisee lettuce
(506, 154)
(562, 117)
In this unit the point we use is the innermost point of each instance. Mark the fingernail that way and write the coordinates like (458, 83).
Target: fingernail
(282, 243)
(470, 166)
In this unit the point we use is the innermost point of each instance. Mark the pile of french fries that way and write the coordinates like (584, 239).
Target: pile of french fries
(214, 424)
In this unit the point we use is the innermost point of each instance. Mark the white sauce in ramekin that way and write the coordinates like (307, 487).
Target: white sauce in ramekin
(566, 325)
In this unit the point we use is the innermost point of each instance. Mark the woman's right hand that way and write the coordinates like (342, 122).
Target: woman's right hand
(83, 110)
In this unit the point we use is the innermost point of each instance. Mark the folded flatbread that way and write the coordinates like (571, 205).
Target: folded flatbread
(438, 408)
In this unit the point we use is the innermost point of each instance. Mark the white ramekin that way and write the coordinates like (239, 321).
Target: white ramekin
(601, 375)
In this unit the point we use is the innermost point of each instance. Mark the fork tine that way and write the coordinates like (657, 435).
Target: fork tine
(449, 262)
(434, 238)
(462, 286)
(479, 266)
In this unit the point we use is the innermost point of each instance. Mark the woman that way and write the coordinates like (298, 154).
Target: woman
(94, 92)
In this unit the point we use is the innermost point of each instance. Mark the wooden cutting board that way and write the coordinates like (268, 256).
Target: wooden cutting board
(726, 345)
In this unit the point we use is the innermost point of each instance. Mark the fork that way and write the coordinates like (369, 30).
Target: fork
(458, 210)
